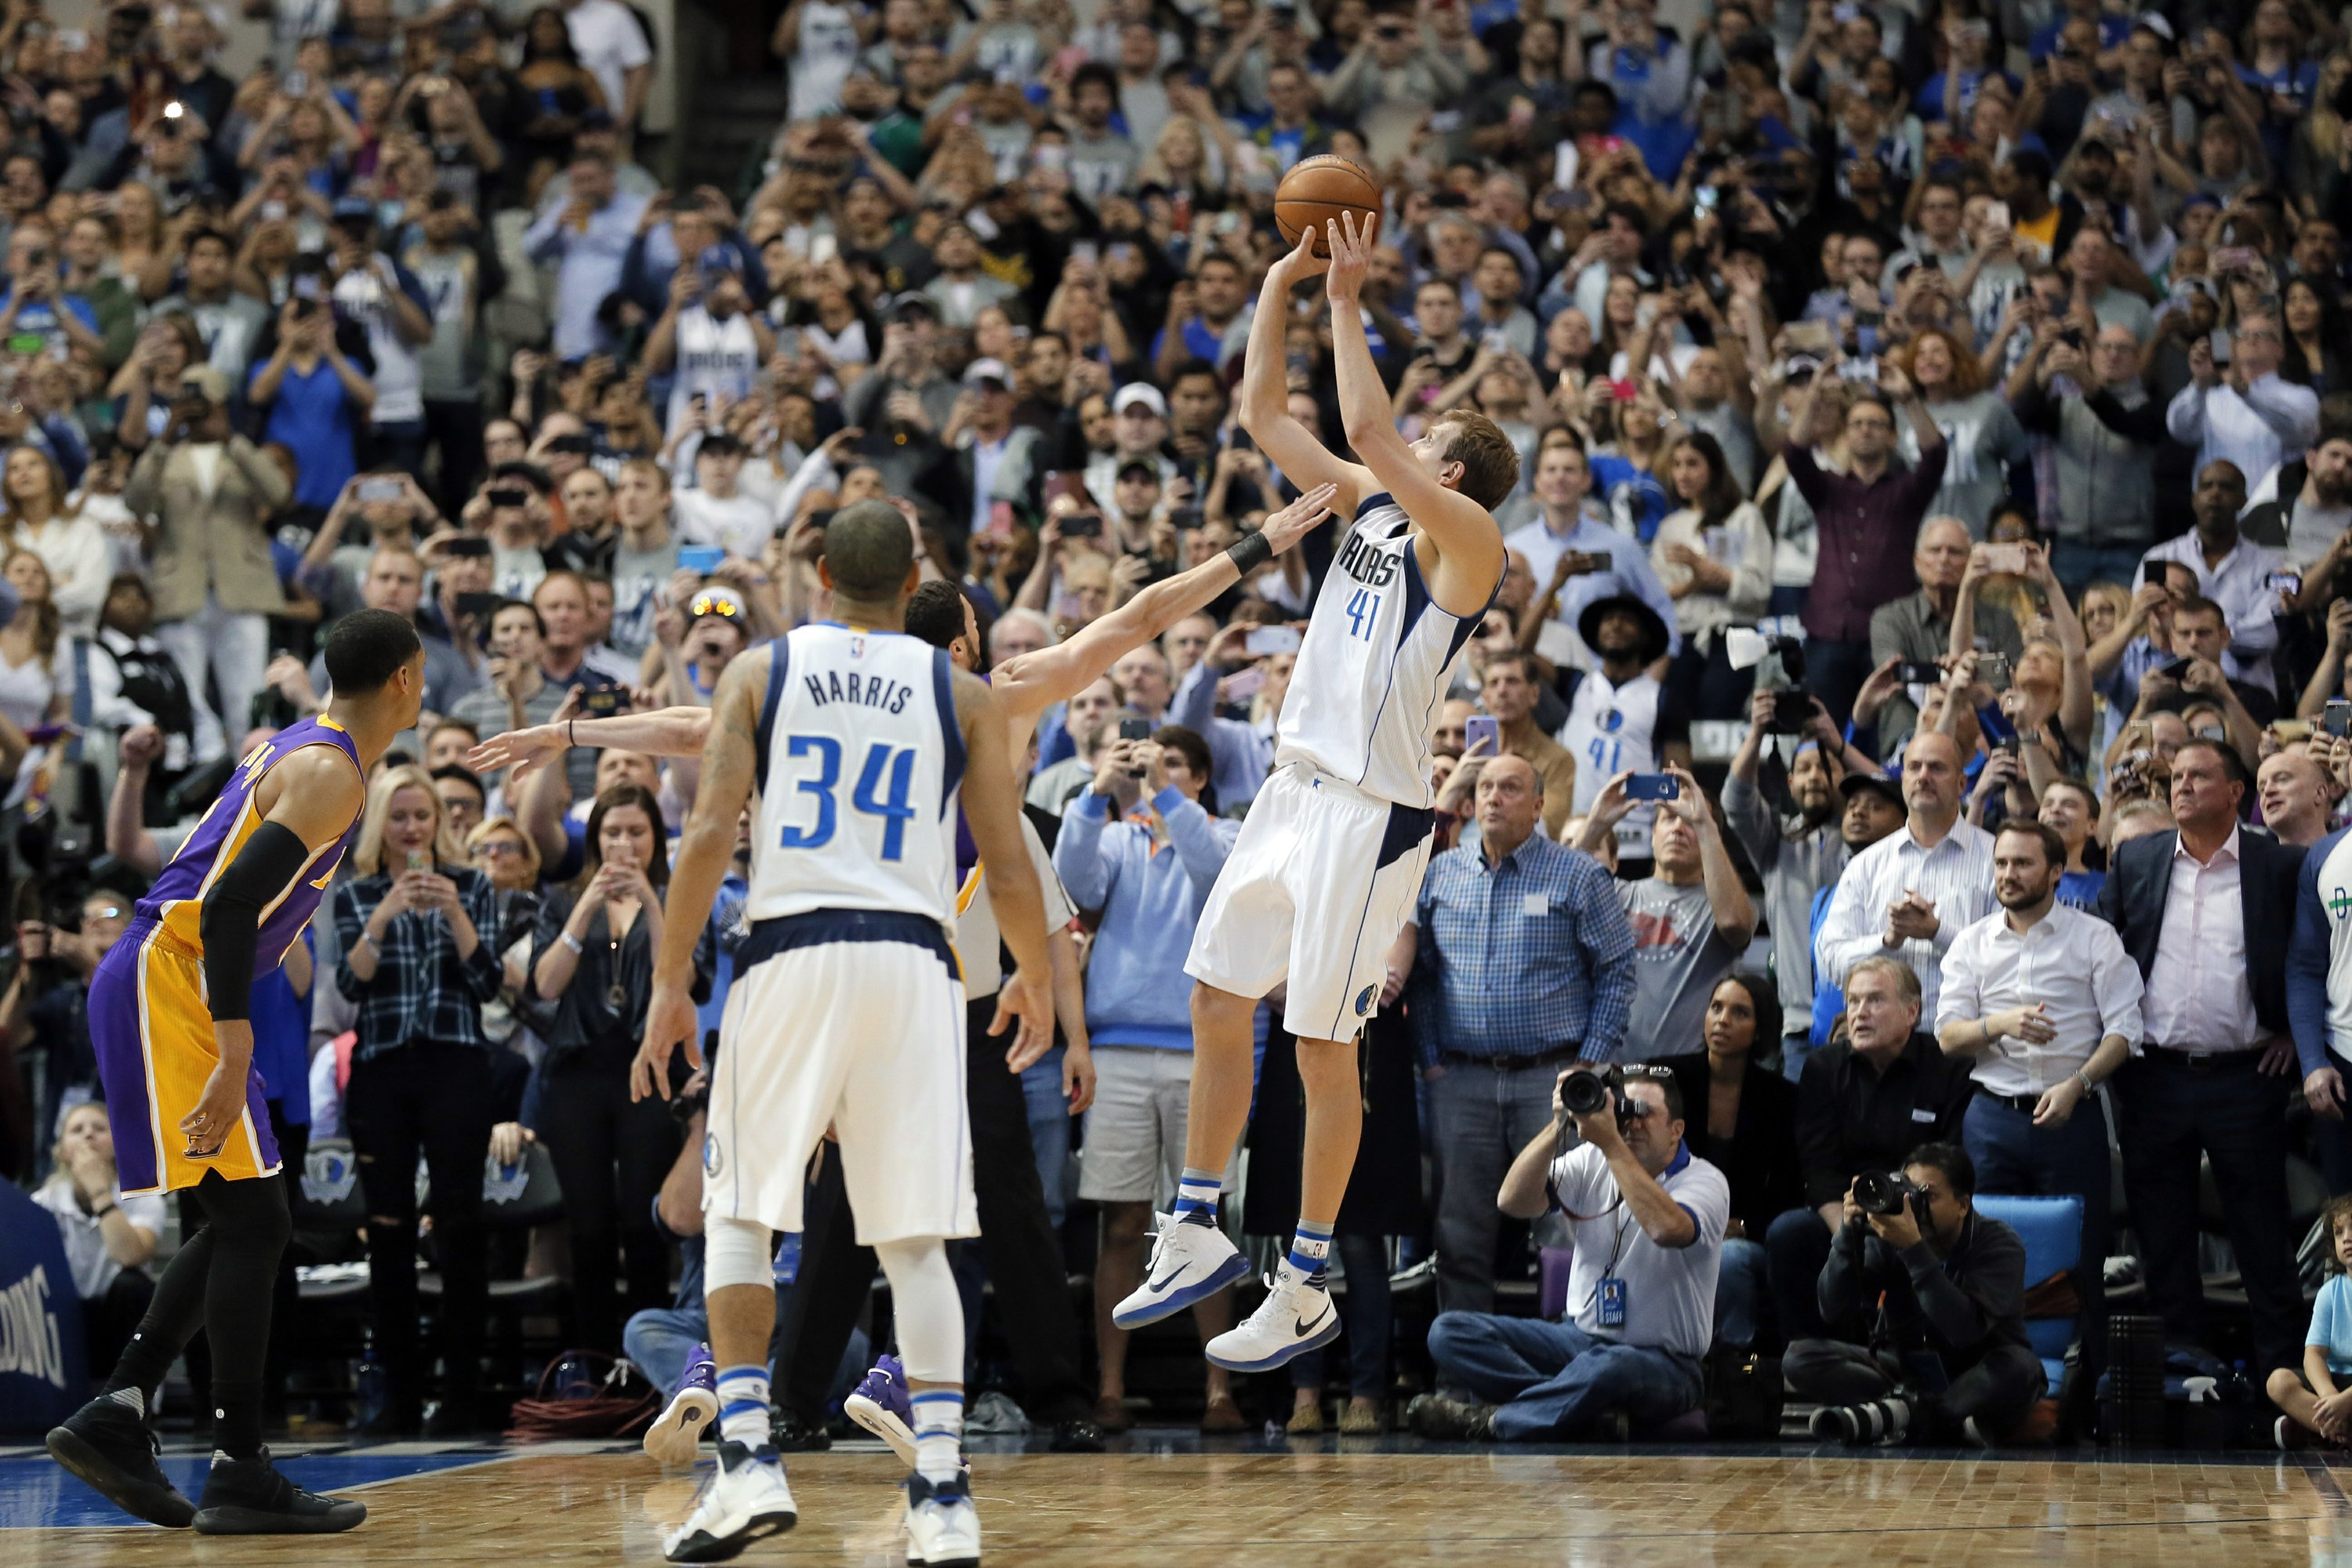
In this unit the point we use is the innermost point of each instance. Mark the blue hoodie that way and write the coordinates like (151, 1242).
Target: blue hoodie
(1137, 991)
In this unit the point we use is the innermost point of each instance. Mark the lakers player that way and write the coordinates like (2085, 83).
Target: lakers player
(1328, 865)
(169, 1021)
(846, 1013)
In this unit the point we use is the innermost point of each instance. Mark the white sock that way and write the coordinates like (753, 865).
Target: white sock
(939, 1433)
(744, 1405)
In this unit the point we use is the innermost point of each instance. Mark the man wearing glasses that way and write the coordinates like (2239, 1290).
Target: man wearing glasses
(1647, 1219)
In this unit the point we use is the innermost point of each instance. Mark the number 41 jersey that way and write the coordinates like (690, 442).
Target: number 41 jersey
(1377, 659)
(858, 760)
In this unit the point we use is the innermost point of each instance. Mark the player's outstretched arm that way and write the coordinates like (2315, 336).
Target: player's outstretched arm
(704, 850)
(1265, 392)
(991, 808)
(665, 733)
(1468, 544)
(1027, 685)
(307, 802)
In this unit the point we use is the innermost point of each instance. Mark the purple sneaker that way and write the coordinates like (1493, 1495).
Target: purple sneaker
(693, 1404)
(882, 1408)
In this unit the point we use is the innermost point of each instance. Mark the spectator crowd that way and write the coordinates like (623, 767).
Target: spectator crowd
(1935, 436)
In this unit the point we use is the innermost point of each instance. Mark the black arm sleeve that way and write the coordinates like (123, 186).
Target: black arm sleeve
(231, 920)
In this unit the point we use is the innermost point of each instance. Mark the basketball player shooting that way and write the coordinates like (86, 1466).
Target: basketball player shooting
(170, 1024)
(1330, 859)
(846, 1020)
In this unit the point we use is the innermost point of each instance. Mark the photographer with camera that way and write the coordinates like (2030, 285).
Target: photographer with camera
(211, 493)
(1648, 1220)
(1921, 1292)
(2044, 1003)
(1861, 1101)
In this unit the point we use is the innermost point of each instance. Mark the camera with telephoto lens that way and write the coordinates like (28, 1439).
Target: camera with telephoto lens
(1888, 1193)
(1589, 1090)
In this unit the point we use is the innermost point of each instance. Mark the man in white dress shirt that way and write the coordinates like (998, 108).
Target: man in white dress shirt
(2046, 1003)
(1909, 895)
(2245, 412)
(2205, 912)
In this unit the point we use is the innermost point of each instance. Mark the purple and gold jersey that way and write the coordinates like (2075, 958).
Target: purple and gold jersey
(175, 903)
(149, 1019)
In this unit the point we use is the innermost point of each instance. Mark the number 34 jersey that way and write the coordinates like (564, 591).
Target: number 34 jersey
(1377, 656)
(858, 760)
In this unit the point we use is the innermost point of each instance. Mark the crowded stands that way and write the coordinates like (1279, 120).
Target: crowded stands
(1910, 734)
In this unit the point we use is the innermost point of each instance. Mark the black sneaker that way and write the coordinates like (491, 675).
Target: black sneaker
(1077, 1436)
(1448, 1420)
(790, 1433)
(248, 1496)
(107, 1444)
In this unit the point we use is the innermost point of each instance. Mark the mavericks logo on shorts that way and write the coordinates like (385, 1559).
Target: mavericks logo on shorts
(1364, 1001)
(711, 1159)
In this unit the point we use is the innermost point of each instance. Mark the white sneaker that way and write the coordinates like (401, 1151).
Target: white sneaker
(1295, 1317)
(942, 1527)
(744, 1500)
(1191, 1260)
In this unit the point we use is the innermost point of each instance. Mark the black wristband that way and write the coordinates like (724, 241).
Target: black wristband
(1250, 553)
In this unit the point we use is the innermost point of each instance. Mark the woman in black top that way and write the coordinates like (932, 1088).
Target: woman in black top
(593, 959)
(1742, 1117)
(419, 938)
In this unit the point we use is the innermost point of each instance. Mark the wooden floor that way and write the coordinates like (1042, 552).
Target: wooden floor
(1384, 1503)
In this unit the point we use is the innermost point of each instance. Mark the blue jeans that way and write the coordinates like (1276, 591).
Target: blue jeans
(2012, 1155)
(1367, 1314)
(660, 1339)
(1049, 1129)
(1794, 1049)
(2080, 565)
(1553, 1380)
(1481, 1117)
(1743, 1299)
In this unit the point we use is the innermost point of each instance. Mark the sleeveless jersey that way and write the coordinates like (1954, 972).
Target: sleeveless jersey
(858, 763)
(1610, 728)
(175, 902)
(1377, 659)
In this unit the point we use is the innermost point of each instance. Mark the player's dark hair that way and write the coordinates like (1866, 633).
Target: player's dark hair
(367, 648)
(869, 549)
(1490, 464)
(935, 614)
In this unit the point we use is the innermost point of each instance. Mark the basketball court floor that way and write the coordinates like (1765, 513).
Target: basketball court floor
(1169, 1500)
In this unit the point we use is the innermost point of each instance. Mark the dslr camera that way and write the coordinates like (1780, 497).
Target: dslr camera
(1889, 1193)
(1588, 1090)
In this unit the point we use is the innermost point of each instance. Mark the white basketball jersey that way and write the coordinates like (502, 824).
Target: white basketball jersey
(1376, 662)
(859, 757)
(1610, 729)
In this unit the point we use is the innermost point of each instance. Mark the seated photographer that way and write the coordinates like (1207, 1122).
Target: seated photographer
(1926, 1299)
(1879, 1086)
(1647, 1219)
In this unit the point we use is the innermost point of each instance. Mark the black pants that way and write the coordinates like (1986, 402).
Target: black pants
(2167, 1112)
(432, 1099)
(456, 428)
(220, 1280)
(1706, 685)
(1997, 1391)
(611, 1156)
(1834, 672)
(293, 1144)
(1024, 1254)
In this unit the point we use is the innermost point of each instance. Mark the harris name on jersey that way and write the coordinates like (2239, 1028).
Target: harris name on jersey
(827, 687)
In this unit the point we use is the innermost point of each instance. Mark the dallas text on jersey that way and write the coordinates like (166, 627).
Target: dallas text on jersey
(1363, 560)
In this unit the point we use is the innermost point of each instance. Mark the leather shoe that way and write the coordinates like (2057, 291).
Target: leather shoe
(1077, 1435)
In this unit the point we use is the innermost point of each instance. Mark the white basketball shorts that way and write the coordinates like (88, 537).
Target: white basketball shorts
(852, 1020)
(1318, 884)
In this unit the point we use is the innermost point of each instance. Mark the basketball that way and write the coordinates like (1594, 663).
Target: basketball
(1317, 191)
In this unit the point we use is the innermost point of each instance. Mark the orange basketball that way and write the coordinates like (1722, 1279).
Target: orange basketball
(1317, 191)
